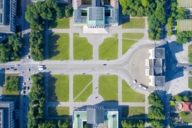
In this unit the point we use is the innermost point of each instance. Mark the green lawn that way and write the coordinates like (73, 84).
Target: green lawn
(186, 117)
(135, 23)
(133, 36)
(83, 50)
(129, 95)
(60, 23)
(108, 50)
(58, 88)
(58, 111)
(108, 87)
(6, 92)
(190, 53)
(59, 46)
(82, 87)
(11, 85)
(190, 82)
(130, 39)
(127, 44)
(135, 111)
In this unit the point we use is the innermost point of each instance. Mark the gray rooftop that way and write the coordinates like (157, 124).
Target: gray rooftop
(96, 13)
(159, 80)
(95, 115)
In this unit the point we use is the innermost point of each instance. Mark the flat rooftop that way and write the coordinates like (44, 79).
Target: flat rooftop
(185, 3)
(184, 25)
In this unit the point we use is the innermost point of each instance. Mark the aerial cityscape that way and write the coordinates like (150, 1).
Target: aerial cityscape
(95, 63)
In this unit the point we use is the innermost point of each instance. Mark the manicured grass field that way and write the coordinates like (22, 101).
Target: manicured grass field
(58, 88)
(60, 23)
(127, 44)
(108, 50)
(133, 36)
(59, 46)
(186, 117)
(14, 92)
(82, 87)
(190, 82)
(83, 50)
(129, 95)
(190, 53)
(58, 111)
(135, 111)
(130, 39)
(135, 23)
(108, 87)
(6, 92)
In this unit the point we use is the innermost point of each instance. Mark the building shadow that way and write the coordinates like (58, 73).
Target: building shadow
(123, 111)
(2, 77)
(172, 71)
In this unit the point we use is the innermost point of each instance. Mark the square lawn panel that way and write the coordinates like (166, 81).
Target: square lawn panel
(129, 95)
(58, 88)
(108, 87)
(59, 46)
(108, 50)
(58, 111)
(83, 50)
(134, 23)
(60, 23)
(82, 87)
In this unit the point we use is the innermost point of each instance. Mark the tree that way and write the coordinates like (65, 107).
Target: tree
(36, 101)
(63, 124)
(68, 10)
(145, 3)
(157, 124)
(47, 125)
(15, 45)
(4, 53)
(12, 83)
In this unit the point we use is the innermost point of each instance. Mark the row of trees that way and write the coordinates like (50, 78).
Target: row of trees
(10, 49)
(156, 113)
(133, 124)
(37, 105)
(162, 16)
(36, 15)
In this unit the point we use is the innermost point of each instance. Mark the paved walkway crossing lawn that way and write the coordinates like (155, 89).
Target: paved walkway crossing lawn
(60, 23)
(58, 111)
(129, 95)
(59, 46)
(190, 82)
(82, 87)
(108, 87)
(130, 39)
(83, 50)
(108, 50)
(136, 111)
(134, 23)
(58, 89)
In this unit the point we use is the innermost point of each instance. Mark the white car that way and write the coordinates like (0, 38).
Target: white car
(40, 68)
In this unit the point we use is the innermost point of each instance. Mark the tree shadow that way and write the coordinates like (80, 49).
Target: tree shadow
(52, 97)
(53, 45)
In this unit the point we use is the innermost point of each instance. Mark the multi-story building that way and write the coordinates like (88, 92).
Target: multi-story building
(8, 16)
(95, 117)
(96, 13)
(6, 114)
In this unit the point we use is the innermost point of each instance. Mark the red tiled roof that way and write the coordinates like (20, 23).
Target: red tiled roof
(186, 106)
